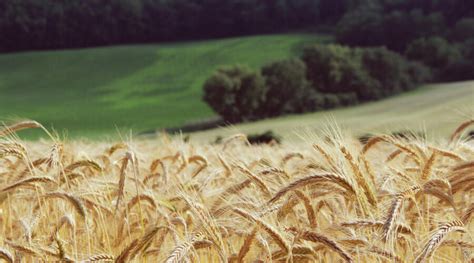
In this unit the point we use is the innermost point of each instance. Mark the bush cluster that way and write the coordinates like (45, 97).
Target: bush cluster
(325, 77)
(448, 61)
(438, 34)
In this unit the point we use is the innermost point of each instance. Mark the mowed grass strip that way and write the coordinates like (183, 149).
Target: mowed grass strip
(437, 108)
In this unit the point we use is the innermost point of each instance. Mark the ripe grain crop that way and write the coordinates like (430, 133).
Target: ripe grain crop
(166, 200)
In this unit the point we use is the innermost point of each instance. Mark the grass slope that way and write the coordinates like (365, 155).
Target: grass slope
(438, 108)
(90, 92)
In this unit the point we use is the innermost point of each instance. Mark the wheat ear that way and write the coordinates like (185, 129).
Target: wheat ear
(277, 237)
(6, 255)
(437, 238)
(318, 178)
(76, 202)
(20, 126)
(457, 133)
(181, 251)
(36, 179)
(244, 249)
(319, 238)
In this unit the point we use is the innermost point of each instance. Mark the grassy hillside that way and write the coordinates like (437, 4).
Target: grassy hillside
(90, 92)
(438, 108)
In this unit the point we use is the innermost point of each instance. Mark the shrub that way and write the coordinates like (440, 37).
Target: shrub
(462, 69)
(402, 27)
(331, 68)
(355, 26)
(467, 49)
(390, 73)
(286, 83)
(372, 73)
(369, 25)
(331, 101)
(267, 137)
(418, 72)
(450, 62)
(434, 52)
(312, 101)
(386, 68)
(235, 93)
(464, 29)
(348, 98)
(327, 76)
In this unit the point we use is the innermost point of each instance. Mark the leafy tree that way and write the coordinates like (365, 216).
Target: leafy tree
(371, 26)
(361, 27)
(390, 73)
(371, 73)
(334, 68)
(46, 24)
(400, 28)
(435, 52)
(418, 73)
(235, 93)
(286, 84)
(386, 68)
(463, 68)
(464, 29)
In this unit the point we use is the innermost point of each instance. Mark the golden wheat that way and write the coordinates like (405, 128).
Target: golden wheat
(166, 200)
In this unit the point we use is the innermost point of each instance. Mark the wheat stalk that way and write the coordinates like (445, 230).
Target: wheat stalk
(244, 249)
(6, 255)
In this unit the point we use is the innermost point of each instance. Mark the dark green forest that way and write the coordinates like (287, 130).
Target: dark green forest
(46, 24)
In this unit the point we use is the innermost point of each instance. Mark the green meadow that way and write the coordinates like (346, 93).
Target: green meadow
(98, 91)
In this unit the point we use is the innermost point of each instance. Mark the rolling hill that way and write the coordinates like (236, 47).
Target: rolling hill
(92, 92)
(438, 108)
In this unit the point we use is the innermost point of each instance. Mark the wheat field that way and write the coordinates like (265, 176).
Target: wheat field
(330, 199)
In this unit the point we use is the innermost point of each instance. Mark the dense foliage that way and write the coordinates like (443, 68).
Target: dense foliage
(327, 76)
(396, 23)
(46, 24)
(436, 33)
(286, 86)
(235, 93)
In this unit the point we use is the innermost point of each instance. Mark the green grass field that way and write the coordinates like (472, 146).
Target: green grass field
(92, 92)
(437, 108)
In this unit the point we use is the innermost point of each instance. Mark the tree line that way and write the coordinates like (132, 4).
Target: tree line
(47, 24)
(334, 75)
(324, 77)
(439, 34)
(384, 47)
